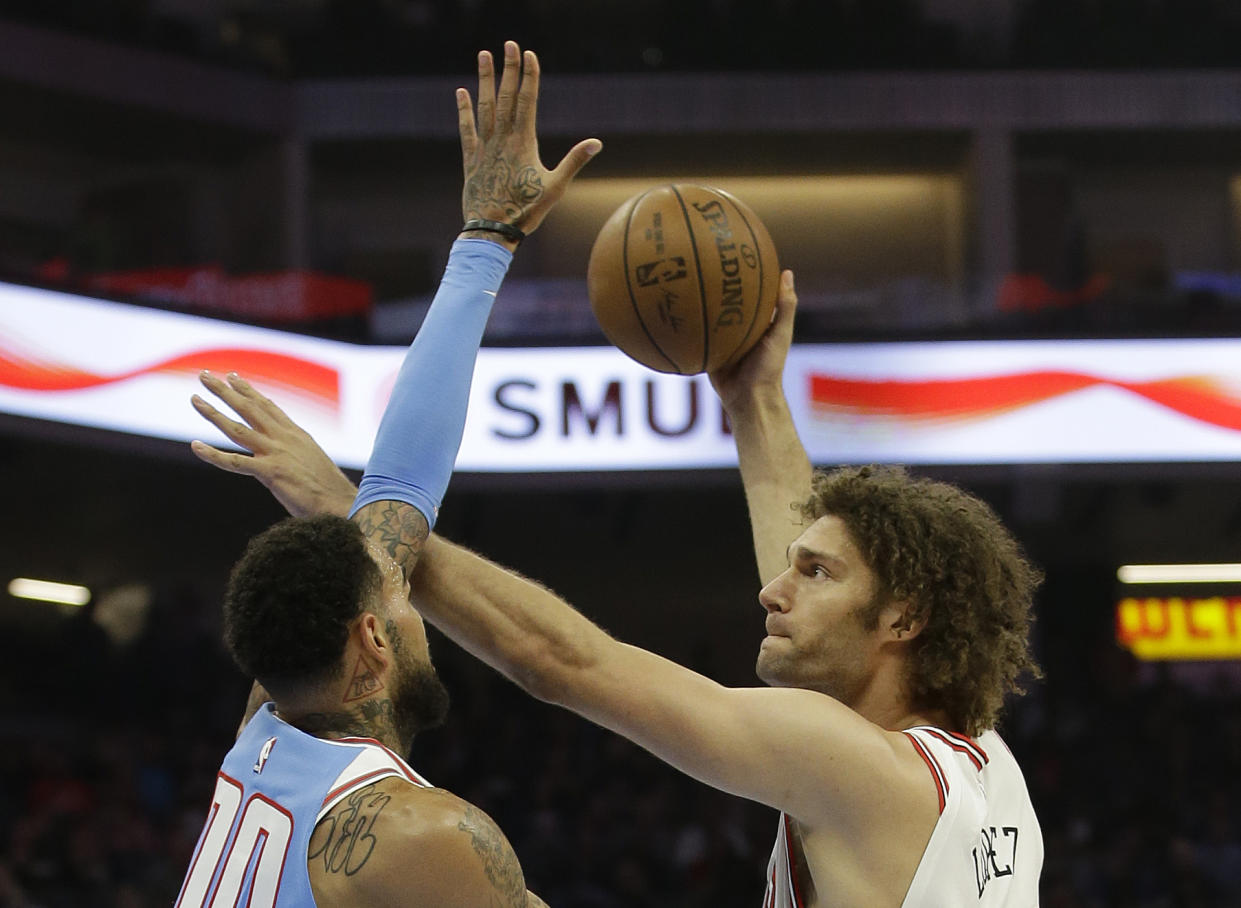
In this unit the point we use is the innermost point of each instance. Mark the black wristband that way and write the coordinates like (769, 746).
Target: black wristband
(508, 231)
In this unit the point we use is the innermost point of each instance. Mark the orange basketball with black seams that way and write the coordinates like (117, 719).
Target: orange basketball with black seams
(683, 278)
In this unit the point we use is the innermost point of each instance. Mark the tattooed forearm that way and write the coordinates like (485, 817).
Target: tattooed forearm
(499, 862)
(398, 528)
(344, 839)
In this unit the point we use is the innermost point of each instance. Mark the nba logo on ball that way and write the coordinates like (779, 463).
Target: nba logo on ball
(683, 278)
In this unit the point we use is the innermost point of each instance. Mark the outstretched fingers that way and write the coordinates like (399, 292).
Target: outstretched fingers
(507, 97)
(253, 406)
(224, 460)
(527, 95)
(236, 432)
(504, 177)
(231, 392)
(466, 128)
(486, 96)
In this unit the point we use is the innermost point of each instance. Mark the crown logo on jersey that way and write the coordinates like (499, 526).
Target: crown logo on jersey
(264, 753)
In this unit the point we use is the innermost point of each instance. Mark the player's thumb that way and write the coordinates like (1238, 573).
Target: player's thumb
(577, 157)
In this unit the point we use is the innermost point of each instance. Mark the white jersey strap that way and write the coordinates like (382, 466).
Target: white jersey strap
(373, 762)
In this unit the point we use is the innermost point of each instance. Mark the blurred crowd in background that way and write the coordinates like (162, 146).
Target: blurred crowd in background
(333, 38)
(106, 774)
(1103, 223)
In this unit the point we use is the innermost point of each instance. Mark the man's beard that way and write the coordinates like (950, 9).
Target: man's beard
(419, 701)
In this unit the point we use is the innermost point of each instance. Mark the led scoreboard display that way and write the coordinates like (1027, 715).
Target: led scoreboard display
(1182, 612)
(72, 359)
(1180, 627)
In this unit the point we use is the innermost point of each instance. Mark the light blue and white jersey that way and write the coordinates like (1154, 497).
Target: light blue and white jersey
(274, 786)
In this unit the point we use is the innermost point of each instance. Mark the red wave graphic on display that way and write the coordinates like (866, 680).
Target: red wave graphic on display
(258, 366)
(1199, 397)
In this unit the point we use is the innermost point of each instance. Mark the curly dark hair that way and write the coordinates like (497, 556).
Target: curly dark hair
(291, 597)
(947, 554)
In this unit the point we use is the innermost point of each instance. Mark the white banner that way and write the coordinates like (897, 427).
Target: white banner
(129, 369)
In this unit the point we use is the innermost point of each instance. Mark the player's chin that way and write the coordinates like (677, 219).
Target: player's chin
(770, 667)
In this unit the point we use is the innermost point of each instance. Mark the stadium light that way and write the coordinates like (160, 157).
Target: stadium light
(1179, 573)
(49, 591)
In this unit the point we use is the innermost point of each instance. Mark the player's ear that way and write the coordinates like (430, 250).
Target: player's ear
(904, 620)
(371, 635)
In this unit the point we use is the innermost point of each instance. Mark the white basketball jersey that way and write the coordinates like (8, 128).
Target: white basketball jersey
(987, 847)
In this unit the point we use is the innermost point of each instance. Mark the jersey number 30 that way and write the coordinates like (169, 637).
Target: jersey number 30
(256, 852)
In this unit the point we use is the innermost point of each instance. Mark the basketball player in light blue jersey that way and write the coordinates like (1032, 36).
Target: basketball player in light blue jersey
(897, 618)
(315, 804)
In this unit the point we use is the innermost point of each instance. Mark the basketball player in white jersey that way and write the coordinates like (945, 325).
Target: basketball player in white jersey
(897, 621)
(314, 804)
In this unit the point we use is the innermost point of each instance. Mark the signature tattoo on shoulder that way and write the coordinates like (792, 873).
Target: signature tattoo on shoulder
(398, 528)
(499, 862)
(345, 839)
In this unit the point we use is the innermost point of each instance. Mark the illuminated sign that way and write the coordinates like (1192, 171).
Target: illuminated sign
(87, 362)
(1176, 628)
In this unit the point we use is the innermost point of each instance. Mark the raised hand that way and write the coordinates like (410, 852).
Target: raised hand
(504, 179)
(762, 369)
(283, 457)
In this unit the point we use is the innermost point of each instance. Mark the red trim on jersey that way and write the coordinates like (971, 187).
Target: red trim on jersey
(966, 739)
(213, 814)
(960, 748)
(941, 782)
(355, 782)
(794, 888)
(405, 768)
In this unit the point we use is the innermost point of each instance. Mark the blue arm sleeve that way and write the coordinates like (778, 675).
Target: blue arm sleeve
(421, 428)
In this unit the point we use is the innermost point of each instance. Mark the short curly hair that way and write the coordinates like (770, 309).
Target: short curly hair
(292, 596)
(947, 555)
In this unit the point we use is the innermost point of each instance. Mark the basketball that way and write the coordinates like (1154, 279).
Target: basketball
(683, 278)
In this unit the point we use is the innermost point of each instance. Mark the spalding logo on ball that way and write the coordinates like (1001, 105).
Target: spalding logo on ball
(683, 278)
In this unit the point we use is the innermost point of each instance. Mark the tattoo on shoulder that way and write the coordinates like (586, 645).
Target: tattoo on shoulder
(499, 862)
(398, 527)
(345, 838)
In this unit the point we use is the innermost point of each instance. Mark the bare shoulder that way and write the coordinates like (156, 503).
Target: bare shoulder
(895, 786)
(869, 849)
(393, 843)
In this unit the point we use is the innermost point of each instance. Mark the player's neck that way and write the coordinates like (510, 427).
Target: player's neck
(895, 711)
(368, 718)
(902, 719)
